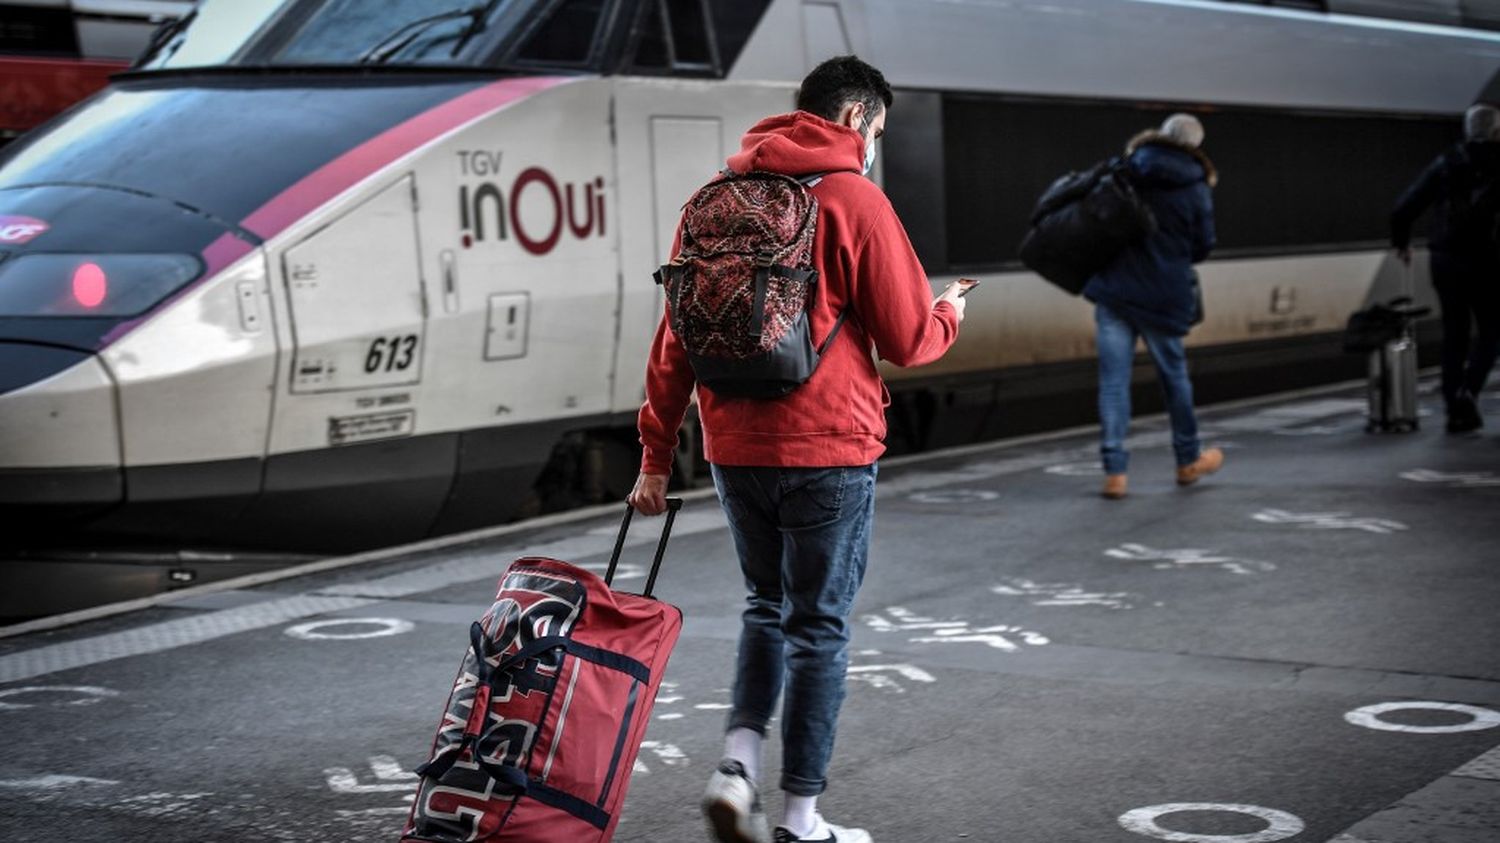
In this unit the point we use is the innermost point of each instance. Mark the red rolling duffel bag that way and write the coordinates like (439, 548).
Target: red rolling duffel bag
(550, 707)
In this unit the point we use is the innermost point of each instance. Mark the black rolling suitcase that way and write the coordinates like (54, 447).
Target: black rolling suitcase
(1388, 334)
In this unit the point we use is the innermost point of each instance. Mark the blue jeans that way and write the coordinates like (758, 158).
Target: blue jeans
(1116, 341)
(803, 537)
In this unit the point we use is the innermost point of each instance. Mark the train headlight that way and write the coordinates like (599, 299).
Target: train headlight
(90, 285)
(49, 284)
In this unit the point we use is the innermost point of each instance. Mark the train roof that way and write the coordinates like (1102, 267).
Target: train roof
(1189, 51)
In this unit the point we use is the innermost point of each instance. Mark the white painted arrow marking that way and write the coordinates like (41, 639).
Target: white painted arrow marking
(1059, 594)
(879, 676)
(1185, 557)
(912, 672)
(668, 754)
(952, 496)
(392, 778)
(953, 632)
(1470, 479)
(1329, 521)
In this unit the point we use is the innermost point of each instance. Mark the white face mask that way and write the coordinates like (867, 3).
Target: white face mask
(869, 146)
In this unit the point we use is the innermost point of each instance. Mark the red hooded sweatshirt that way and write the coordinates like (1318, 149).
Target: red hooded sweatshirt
(865, 261)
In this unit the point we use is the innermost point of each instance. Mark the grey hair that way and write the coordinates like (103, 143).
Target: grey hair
(1482, 123)
(1184, 129)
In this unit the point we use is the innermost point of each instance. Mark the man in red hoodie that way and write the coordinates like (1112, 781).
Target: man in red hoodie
(796, 475)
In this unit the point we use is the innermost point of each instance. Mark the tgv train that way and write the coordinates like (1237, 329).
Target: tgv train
(327, 274)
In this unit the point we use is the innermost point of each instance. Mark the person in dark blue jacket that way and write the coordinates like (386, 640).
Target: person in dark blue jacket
(1150, 292)
(1462, 186)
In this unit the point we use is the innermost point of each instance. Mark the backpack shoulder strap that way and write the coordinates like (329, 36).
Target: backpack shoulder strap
(812, 179)
(837, 324)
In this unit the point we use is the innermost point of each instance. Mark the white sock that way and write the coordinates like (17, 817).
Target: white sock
(743, 745)
(800, 815)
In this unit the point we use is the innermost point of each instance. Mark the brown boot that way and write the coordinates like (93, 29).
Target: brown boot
(1207, 463)
(1114, 486)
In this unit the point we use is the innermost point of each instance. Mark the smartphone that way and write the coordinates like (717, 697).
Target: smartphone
(965, 285)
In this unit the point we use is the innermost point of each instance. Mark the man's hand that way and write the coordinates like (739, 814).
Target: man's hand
(951, 296)
(1404, 255)
(649, 497)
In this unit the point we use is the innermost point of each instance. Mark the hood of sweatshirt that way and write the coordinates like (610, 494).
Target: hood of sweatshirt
(799, 144)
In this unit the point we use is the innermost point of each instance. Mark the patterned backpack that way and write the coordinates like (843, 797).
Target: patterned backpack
(740, 286)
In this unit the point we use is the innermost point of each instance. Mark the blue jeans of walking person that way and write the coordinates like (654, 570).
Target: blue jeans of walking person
(1116, 341)
(803, 537)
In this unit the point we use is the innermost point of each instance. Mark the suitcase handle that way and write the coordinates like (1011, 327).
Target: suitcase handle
(673, 505)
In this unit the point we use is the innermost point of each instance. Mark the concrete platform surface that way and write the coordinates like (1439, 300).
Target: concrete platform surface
(1303, 647)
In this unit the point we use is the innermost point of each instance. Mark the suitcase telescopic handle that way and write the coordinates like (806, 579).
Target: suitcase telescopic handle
(673, 505)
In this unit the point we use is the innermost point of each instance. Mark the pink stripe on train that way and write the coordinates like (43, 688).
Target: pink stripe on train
(362, 161)
(348, 170)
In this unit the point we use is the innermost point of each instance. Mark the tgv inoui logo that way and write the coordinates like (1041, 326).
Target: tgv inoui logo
(495, 205)
(15, 230)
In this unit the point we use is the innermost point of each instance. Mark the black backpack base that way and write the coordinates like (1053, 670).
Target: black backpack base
(1082, 223)
(775, 374)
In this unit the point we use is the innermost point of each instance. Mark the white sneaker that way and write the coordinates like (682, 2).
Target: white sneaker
(732, 806)
(826, 832)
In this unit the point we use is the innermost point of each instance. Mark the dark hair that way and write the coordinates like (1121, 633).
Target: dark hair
(839, 81)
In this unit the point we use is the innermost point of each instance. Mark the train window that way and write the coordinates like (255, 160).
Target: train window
(567, 35)
(1290, 181)
(651, 39)
(337, 32)
(690, 35)
(675, 35)
(42, 284)
(733, 21)
(34, 30)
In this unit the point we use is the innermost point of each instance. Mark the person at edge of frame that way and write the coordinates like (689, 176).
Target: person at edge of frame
(796, 475)
(1150, 292)
(1463, 187)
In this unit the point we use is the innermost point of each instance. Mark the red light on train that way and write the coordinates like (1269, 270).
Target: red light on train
(89, 285)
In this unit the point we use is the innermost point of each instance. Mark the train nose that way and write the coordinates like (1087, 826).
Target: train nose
(59, 437)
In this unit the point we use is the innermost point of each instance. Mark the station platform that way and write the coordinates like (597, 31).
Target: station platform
(1302, 647)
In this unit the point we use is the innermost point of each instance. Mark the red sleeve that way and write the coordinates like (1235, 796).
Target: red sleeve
(894, 300)
(669, 388)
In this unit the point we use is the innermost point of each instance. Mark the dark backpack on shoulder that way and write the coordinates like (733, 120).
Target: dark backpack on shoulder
(1473, 203)
(739, 288)
(1082, 222)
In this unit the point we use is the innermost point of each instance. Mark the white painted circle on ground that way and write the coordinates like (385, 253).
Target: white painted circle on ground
(314, 631)
(84, 695)
(943, 496)
(1281, 825)
(1369, 717)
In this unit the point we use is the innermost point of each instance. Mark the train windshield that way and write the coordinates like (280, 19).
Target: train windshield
(458, 33)
(43, 284)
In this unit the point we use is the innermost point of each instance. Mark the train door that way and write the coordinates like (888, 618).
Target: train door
(673, 135)
(356, 297)
(344, 434)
